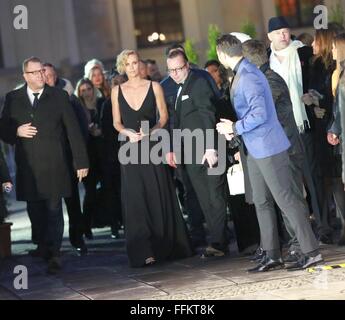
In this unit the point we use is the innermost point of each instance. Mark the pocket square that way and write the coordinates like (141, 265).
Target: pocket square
(185, 97)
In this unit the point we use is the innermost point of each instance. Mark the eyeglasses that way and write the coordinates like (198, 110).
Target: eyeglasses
(36, 72)
(176, 70)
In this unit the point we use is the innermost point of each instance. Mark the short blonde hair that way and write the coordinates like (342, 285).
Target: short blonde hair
(122, 59)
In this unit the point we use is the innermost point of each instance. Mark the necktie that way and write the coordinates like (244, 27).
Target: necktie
(35, 104)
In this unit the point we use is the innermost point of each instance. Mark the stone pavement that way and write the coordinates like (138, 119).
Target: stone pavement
(104, 274)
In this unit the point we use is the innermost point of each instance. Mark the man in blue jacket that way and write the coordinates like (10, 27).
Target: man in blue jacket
(268, 161)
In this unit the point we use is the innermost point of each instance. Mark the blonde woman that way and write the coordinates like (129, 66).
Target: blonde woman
(154, 225)
(94, 71)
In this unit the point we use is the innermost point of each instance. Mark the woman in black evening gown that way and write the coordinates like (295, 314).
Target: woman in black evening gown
(155, 229)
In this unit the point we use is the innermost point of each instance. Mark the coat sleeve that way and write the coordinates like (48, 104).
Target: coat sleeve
(4, 173)
(204, 100)
(254, 95)
(74, 135)
(8, 126)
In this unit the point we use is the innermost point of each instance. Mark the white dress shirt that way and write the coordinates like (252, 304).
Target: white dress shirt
(31, 94)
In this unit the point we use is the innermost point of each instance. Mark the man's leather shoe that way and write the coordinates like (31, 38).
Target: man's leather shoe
(305, 262)
(54, 265)
(267, 264)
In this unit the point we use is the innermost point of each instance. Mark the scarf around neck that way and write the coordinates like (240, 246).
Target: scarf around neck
(293, 77)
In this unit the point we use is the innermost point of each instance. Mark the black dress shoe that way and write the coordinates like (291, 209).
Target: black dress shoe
(267, 264)
(305, 262)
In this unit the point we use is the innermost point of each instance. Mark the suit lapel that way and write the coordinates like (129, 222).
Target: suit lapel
(25, 98)
(184, 90)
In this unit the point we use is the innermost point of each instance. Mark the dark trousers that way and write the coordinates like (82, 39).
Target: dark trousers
(296, 165)
(210, 193)
(47, 224)
(313, 179)
(112, 195)
(76, 222)
(90, 200)
(272, 180)
(191, 205)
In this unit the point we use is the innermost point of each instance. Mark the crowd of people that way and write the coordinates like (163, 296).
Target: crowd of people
(279, 109)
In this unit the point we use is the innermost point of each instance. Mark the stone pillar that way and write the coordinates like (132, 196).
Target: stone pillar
(71, 33)
(126, 24)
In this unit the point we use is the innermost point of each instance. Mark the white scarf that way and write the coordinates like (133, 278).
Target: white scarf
(292, 75)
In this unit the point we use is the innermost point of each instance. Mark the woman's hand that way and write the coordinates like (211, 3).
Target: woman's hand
(134, 136)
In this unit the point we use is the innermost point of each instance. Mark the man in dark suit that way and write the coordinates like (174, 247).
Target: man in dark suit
(37, 119)
(187, 194)
(195, 110)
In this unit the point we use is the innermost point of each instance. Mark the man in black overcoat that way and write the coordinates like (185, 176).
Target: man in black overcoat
(37, 119)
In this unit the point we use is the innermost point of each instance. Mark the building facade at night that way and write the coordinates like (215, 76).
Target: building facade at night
(70, 32)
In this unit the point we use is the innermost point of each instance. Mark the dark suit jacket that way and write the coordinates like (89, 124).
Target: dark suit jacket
(195, 108)
(42, 162)
(283, 104)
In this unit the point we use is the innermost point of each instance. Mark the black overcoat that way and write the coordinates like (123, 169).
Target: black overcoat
(42, 162)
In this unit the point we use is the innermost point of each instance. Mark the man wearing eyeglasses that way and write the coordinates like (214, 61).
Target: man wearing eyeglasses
(187, 194)
(195, 110)
(37, 119)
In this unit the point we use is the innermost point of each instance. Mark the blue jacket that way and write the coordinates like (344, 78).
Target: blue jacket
(258, 124)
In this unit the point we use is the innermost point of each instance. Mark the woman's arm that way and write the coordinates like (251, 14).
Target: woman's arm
(161, 106)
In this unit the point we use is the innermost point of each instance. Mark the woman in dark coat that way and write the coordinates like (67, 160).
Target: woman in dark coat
(336, 130)
(320, 102)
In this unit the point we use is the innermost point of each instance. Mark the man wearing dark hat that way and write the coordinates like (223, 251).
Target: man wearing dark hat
(290, 59)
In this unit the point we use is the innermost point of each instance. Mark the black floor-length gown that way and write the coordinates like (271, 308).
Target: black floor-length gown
(153, 220)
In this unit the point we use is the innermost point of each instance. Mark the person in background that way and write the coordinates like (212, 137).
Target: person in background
(306, 38)
(94, 71)
(143, 70)
(291, 59)
(6, 186)
(87, 94)
(319, 101)
(75, 217)
(153, 70)
(53, 80)
(336, 130)
(110, 164)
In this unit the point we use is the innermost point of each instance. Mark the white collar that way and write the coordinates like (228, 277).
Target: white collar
(31, 93)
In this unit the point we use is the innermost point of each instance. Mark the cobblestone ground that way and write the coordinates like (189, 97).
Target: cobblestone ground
(104, 274)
